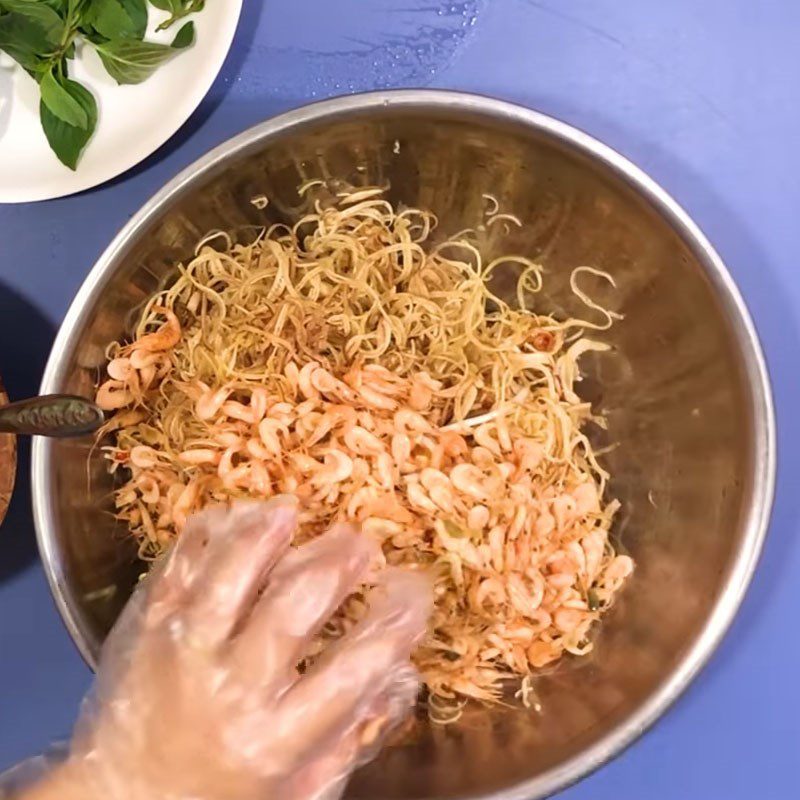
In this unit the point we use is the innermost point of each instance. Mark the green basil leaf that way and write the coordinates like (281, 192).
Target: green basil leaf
(177, 10)
(75, 9)
(40, 12)
(131, 61)
(59, 6)
(30, 26)
(67, 141)
(61, 103)
(20, 48)
(184, 37)
(117, 19)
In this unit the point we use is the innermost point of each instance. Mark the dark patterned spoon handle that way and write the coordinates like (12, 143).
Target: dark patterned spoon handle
(51, 415)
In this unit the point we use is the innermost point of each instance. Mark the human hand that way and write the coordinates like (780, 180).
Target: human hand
(198, 696)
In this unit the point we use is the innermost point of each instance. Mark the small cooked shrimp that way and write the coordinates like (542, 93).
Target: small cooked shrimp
(525, 598)
(238, 411)
(327, 384)
(518, 523)
(478, 518)
(256, 449)
(503, 436)
(541, 653)
(292, 373)
(226, 469)
(454, 444)
(545, 524)
(185, 503)
(586, 499)
(469, 480)
(269, 431)
(401, 449)
(489, 590)
(375, 399)
(141, 359)
(497, 540)
(617, 571)
(420, 396)
(260, 481)
(362, 442)
(385, 471)
(119, 369)
(408, 421)
(483, 436)
(112, 395)
(198, 456)
(564, 511)
(259, 400)
(304, 384)
(226, 438)
(305, 464)
(147, 376)
(209, 403)
(419, 499)
(481, 457)
(568, 619)
(124, 419)
(361, 503)
(438, 487)
(338, 467)
(143, 456)
(148, 488)
(529, 454)
(165, 338)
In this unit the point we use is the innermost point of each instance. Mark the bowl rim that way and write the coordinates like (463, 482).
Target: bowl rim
(764, 458)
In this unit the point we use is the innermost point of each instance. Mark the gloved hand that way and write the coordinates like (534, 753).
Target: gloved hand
(198, 696)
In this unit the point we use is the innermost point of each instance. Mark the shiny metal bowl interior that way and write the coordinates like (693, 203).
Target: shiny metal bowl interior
(685, 392)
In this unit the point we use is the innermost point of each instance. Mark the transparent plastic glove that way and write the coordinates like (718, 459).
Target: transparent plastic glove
(198, 696)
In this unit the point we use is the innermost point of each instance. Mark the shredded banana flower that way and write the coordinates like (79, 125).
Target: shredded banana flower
(354, 362)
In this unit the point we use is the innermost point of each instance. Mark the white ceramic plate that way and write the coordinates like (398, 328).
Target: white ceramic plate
(133, 120)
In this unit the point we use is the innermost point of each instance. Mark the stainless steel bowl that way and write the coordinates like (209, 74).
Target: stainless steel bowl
(686, 394)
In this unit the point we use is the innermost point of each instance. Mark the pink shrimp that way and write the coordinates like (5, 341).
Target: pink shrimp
(119, 369)
(337, 468)
(198, 456)
(143, 457)
(141, 359)
(185, 503)
(478, 518)
(112, 395)
(165, 338)
(469, 480)
(210, 402)
(362, 442)
(375, 399)
(238, 411)
(408, 422)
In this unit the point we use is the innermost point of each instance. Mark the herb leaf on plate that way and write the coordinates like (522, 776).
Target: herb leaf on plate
(117, 19)
(40, 36)
(61, 102)
(68, 140)
(41, 24)
(131, 61)
(29, 31)
(177, 10)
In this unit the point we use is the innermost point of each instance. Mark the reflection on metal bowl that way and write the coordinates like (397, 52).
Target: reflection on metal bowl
(685, 392)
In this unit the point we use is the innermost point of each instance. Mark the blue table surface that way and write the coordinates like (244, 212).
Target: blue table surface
(702, 95)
